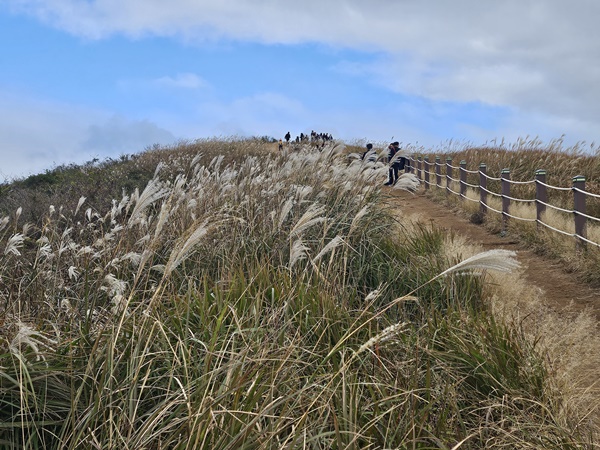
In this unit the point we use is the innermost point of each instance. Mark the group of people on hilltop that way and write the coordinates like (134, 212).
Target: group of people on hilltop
(396, 161)
(318, 139)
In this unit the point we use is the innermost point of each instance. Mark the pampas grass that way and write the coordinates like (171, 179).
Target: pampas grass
(407, 182)
(287, 310)
(498, 259)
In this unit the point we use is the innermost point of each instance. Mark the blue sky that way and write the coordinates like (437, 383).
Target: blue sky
(99, 78)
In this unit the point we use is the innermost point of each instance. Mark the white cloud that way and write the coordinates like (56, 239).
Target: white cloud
(539, 55)
(37, 135)
(182, 81)
(119, 135)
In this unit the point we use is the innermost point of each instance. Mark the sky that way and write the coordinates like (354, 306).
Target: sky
(85, 79)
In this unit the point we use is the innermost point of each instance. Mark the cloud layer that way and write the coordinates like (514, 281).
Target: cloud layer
(456, 69)
(539, 55)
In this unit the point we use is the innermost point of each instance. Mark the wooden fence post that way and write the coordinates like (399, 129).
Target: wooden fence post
(426, 167)
(541, 194)
(448, 175)
(483, 188)
(505, 176)
(438, 172)
(463, 179)
(419, 171)
(579, 209)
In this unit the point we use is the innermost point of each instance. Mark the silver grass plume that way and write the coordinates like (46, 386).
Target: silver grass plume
(407, 182)
(497, 259)
(285, 210)
(183, 249)
(385, 335)
(4, 222)
(159, 167)
(297, 252)
(308, 219)
(31, 338)
(359, 215)
(196, 159)
(164, 214)
(153, 192)
(14, 243)
(79, 204)
(335, 242)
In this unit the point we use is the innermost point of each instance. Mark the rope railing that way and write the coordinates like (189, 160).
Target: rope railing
(490, 192)
(556, 188)
(597, 219)
(556, 229)
(556, 208)
(426, 171)
(490, 178)
(522, 200)
(589, 194)
(521, 182)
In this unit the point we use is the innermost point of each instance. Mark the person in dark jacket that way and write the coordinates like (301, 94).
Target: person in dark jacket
(369, 148)
(396, 164)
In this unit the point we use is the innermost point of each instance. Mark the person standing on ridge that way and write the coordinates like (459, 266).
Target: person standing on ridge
(287, 137)
(369, 148)
(396, 164)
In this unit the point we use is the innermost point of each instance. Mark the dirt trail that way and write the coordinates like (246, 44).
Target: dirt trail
(562, 292)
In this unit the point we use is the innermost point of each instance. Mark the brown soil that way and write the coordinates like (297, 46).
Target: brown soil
(562, 291)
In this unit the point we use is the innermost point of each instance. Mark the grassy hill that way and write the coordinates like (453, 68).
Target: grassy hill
(224, 295)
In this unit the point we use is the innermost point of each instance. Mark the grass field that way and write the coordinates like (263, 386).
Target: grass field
(223, 295)
(522, 159)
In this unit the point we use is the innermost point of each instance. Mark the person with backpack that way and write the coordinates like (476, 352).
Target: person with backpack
(396, 163)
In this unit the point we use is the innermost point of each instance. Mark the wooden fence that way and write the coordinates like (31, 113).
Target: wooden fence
(442, 175)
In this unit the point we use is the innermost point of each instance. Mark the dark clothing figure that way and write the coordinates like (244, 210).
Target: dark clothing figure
(287, 137)
(395, 165)
(369, 148)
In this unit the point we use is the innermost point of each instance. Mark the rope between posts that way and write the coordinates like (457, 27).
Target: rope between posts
(586, 193)
(490, 178)
(568, 211)
(454, 192)
(524, 200)
(519, 218)
(490, 208)
(520, 182)
(556, 229)
(490, 192)
(588, 241)
(586, 216)
(554, 187)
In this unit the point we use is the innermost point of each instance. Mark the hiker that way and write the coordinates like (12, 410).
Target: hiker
(287, 137)
(280, 145)
(369, 148)
(396, 164)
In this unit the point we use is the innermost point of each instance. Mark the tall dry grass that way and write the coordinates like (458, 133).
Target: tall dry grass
(523, 158)
(245, 298)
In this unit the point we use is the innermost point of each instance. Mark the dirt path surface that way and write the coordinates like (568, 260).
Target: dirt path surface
(562, 292)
